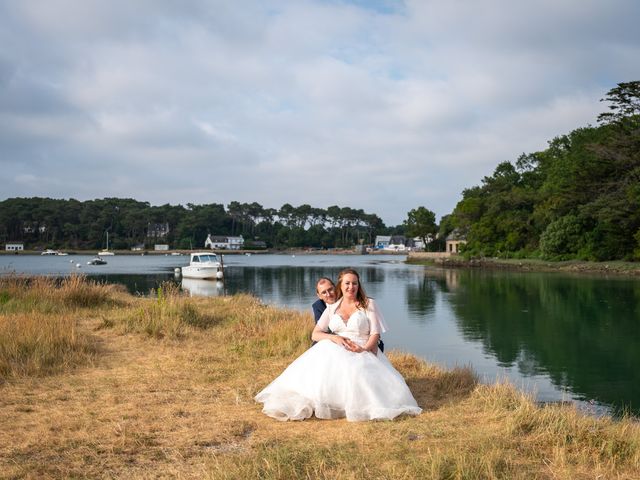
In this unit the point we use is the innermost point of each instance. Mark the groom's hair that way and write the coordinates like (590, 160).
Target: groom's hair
(324, 279)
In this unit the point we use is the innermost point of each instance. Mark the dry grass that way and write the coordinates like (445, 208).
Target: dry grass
(175, 400)
(39, 344)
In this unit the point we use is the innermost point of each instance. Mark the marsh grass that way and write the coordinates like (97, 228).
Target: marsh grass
(40, 344)
(168, 314)
(51, 295)
(169, 394)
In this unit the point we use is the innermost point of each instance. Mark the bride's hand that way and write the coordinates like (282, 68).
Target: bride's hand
(346, 343)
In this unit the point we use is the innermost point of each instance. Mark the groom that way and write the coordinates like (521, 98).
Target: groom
(326, 292)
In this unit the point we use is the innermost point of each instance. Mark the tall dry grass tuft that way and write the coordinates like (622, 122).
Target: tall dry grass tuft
(39, 344)
(48, 295)
(431, 385)
(78, 291)
(603, 443)
(168, 314)
(560, 435)
(266, 331)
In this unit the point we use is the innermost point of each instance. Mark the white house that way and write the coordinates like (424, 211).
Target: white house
(14, 247)
(161, 247)
(382, 241)
(217, 242)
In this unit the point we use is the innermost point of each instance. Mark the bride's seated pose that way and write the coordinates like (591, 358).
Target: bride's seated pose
(343, 375)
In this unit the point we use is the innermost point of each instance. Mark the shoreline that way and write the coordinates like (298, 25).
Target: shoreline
(616, 267)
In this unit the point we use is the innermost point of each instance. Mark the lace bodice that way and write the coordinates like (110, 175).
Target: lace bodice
(357, 328)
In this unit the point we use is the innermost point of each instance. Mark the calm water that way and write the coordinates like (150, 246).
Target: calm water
(561, 337)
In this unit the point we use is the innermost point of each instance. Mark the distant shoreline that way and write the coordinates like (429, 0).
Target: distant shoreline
(220, 252)
(615, 267)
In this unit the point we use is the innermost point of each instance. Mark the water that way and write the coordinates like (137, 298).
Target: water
(558, 336)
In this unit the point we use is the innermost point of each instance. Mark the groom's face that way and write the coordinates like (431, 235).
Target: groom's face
(326, 291)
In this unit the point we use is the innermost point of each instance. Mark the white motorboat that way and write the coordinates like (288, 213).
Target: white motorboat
(204, 265)
(48, 251)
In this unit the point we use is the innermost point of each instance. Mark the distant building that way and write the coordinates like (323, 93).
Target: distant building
(416, 243)
(137, 248)
(14, 247)
(157, 230)
(217, 242)
(454, 241)
(161, 247)
(382, 241)
(32, 227)
(397, 243)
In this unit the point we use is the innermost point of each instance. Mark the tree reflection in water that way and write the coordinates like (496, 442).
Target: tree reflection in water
(582, 332)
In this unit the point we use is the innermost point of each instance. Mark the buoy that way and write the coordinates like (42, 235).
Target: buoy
(78, 265)
(177, 271)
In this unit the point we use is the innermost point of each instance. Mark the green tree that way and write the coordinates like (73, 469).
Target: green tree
(421, 222)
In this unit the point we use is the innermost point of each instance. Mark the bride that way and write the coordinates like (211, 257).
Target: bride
(344, 374)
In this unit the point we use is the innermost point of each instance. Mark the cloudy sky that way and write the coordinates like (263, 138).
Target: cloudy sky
(382, 105)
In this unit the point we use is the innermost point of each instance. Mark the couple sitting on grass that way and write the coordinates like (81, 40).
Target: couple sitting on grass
(345, 374)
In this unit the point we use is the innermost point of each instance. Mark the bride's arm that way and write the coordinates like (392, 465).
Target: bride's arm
(372, 343)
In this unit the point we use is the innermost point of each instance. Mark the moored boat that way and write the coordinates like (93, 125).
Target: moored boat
(49, 251)
(97, 261)
(204, 265)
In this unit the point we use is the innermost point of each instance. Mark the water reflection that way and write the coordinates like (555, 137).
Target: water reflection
(421, 297)
(582, 333)
(202, 288)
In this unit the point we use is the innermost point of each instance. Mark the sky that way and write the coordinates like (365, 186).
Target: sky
(379, 105)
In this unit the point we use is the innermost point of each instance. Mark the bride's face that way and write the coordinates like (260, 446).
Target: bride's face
(349, 285)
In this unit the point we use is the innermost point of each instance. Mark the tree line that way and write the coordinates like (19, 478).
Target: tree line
(577, 199)
(72, 224)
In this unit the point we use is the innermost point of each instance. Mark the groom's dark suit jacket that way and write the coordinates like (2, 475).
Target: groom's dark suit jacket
(319, 306)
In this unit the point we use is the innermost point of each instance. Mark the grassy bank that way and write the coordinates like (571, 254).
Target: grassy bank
(616, 267)
(162, 387)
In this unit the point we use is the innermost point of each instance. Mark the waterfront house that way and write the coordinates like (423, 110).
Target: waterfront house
(218, 242)
(14, 246)
(454, 241)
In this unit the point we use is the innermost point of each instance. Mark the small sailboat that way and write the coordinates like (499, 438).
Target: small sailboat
(106, 251)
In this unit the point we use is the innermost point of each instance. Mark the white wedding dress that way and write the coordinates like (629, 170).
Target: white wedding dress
(332, 382)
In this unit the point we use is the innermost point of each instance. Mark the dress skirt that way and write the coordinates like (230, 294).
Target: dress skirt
(332, 382)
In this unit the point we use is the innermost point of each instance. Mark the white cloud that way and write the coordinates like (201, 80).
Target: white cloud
(382, 106)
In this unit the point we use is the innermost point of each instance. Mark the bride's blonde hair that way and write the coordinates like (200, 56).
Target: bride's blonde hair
(361, 296)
